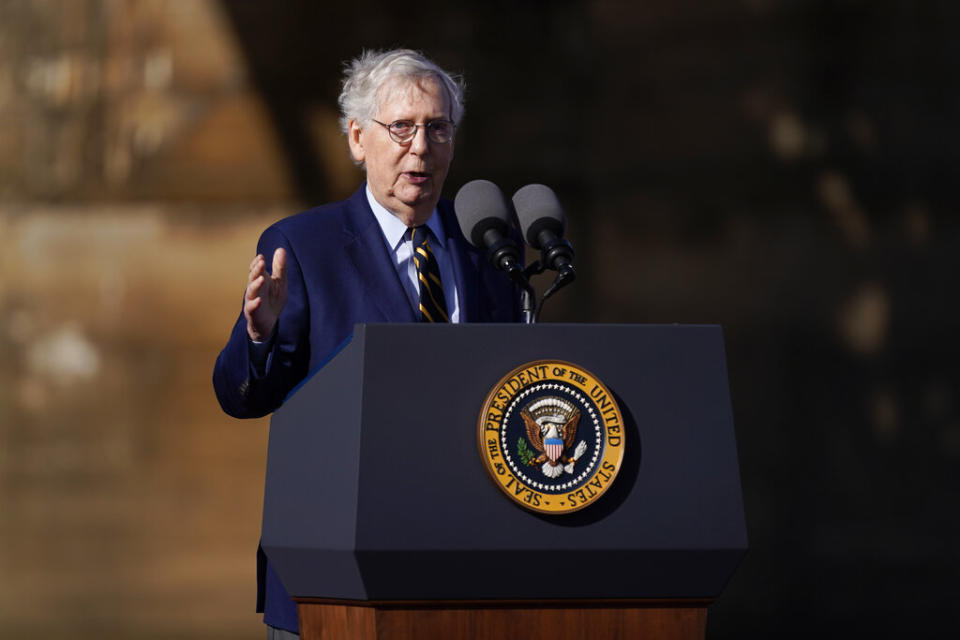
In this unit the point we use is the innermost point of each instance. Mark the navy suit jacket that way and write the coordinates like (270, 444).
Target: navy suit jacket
(339, 273)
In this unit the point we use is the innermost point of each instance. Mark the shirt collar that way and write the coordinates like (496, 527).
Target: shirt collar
(393, 229)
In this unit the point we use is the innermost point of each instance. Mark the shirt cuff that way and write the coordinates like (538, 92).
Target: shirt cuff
(260, 352)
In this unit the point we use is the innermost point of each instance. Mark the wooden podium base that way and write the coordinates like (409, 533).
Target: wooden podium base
(482, 620)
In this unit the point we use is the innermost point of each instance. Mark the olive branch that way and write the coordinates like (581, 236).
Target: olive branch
(526, 455)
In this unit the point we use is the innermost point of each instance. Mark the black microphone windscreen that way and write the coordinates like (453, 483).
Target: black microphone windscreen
(480, 206)
(538, 208)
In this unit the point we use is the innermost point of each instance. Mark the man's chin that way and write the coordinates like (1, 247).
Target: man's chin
(419, 198)
(414, 193)
(414, 211)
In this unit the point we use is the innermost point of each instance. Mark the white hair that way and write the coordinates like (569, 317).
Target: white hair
(365, 76)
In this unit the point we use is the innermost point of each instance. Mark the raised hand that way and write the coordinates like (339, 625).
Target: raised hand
(265, 296)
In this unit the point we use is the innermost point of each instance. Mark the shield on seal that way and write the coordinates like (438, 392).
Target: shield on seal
(553, 447)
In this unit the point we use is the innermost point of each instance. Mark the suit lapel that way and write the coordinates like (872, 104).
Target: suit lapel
(468, 263)
(371, 261)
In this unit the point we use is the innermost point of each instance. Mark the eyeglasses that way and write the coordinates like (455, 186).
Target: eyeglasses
(403, 131)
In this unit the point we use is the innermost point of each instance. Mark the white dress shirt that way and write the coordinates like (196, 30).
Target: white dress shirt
(401, 250)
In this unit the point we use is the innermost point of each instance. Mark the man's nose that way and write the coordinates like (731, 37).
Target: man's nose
(420, 144)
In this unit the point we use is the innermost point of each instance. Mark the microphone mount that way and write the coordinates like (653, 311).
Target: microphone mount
(555, 251)
(565, 275)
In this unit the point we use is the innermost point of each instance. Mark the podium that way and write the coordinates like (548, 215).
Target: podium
(382, 522)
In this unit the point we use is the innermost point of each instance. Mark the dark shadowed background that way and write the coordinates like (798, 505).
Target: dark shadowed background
(783, 168)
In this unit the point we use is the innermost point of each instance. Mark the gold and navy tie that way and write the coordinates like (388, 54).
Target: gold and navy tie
(433, 308)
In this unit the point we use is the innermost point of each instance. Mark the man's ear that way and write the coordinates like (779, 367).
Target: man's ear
(355, 140)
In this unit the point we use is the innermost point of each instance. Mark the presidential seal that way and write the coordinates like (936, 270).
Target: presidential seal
(551, 436)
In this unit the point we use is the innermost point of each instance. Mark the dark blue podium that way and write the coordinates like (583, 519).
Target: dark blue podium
(380, 519)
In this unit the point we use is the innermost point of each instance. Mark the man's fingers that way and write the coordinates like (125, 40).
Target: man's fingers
(252, 305)
(280, 264)
(256, 268)
(253, 287)
(259, 304)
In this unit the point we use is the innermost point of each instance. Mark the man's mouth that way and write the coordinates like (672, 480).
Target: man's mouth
(416, 177)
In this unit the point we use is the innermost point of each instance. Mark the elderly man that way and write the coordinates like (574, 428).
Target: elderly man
(392, 252)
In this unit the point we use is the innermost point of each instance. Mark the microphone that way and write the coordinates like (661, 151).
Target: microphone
(543, 223)
(484, 217)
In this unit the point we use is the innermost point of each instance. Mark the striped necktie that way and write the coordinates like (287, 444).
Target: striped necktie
(433, 307)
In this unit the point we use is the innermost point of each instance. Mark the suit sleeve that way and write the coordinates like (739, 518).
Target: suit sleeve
(244, 392)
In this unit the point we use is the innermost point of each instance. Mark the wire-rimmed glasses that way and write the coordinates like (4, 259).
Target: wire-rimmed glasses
(403, 131)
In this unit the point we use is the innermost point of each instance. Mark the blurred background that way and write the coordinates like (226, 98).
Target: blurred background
(784, 168)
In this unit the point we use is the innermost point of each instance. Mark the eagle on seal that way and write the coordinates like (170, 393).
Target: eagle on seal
(551, 425)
